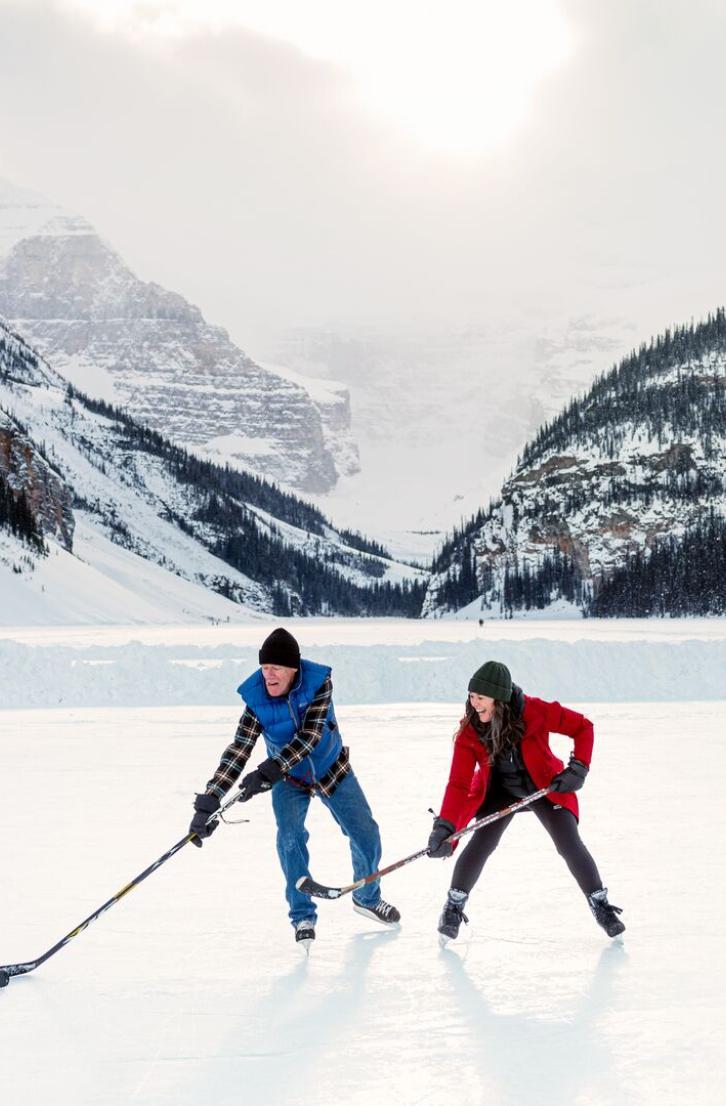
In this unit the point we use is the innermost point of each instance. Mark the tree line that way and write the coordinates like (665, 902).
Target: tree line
(226, 522)
(680, 575)
(304, 585)
(634, 391)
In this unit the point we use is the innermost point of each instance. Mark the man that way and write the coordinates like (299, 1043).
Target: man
(289, 701)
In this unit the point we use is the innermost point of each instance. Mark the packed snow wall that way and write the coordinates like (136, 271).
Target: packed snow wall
(143, 674)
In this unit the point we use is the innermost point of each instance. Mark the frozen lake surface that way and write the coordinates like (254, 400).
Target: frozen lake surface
(191, 990)
(375, 631)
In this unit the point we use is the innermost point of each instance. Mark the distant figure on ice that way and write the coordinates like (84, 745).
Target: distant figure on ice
(501, 754)
(289, 702)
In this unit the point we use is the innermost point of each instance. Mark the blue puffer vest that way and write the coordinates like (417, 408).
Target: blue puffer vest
(281, 718)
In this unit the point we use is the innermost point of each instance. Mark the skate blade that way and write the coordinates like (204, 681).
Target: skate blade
(304, 947)
(443, 940)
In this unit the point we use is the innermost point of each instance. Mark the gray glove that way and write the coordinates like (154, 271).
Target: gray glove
(439, 847)
(570, 778)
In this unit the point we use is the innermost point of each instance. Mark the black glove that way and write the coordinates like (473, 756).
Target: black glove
(570, 778)
(204, 805)
(262, 779)
(439, 847)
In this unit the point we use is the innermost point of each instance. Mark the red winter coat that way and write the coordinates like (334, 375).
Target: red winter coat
(470, 769)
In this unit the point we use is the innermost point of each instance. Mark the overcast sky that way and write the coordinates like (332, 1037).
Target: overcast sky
(401, 170)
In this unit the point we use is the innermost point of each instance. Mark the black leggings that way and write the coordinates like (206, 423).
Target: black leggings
(560, 824)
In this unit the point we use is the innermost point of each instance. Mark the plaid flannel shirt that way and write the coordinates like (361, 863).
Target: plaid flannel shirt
(235, 756)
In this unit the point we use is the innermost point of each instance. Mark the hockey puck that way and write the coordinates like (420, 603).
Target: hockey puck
(4, 979)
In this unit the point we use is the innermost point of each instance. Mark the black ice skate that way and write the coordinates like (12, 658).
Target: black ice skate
(606, 915)
(305, 934)
(381, 912)
(452, 916)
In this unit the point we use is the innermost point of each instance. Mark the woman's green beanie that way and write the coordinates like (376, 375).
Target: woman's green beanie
(492, 679)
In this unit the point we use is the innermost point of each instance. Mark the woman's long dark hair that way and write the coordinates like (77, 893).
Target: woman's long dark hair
(503, 731)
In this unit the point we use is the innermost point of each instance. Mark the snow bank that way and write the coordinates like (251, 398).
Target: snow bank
(137, 673)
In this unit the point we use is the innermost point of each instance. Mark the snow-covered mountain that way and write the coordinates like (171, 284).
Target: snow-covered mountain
(150, 351)
(441, 415)
(94, 477)
(640, 459)
(397, 434)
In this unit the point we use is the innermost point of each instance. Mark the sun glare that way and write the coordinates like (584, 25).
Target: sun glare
(458, 77)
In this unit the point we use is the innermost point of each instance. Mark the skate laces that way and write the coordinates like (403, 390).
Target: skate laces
(383, 908)
(599, 902)
(454, 912)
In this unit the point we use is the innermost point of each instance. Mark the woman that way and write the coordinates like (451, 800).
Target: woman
(502, 753)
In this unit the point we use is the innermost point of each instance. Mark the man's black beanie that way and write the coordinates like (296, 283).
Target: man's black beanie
(280, 648)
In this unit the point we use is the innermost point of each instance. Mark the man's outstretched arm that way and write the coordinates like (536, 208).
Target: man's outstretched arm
(235, 756)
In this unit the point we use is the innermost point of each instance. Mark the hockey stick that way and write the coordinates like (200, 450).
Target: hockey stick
(320, 891)
(9, 970)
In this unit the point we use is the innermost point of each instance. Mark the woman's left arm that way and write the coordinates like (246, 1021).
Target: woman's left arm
(563, 720)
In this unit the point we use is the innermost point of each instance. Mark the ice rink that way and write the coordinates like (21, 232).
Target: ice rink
(191, 990)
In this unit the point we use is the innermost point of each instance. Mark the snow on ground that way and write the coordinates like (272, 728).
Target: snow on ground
(374, 660)
(191, 989)
(101, 582)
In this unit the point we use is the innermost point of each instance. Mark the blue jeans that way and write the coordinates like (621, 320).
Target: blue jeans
(350, 809)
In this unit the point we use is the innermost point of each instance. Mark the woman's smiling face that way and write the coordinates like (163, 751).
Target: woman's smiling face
(483, 705)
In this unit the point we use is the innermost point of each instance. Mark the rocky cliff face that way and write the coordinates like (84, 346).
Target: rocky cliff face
(22, 465)
(147, 349)
(640, 458)
(25, 470)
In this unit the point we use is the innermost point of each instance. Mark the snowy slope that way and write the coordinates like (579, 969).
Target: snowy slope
(191, 990)
(81, 447)
(145, 497)
(100, 582)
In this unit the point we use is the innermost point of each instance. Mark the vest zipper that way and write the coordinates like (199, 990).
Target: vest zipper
(292, 715)
(296, 724)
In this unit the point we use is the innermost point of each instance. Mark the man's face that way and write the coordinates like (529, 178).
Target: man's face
(278, 679)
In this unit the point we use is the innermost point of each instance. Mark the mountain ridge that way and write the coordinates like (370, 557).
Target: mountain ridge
(149, 350)
(639, 458)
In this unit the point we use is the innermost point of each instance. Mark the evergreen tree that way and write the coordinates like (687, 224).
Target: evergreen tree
(679, 576)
